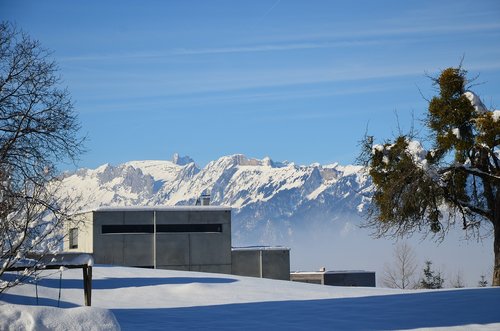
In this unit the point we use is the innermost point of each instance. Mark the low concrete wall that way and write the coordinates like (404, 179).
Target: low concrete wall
(312, 278)
(264, 262)
(246, 263)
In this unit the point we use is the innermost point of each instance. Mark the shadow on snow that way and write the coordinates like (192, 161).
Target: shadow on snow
(31, 301)
(120, 282)
(390, 312)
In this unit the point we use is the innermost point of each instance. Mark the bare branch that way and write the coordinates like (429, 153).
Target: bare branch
(38, 129)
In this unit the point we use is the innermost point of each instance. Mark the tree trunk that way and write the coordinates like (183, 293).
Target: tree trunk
(496, 241)
(496, 248)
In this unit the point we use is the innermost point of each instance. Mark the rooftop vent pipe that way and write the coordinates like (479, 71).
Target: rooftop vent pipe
(205, 199)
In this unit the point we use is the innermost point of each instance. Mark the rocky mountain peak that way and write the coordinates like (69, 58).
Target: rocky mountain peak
(181, 160)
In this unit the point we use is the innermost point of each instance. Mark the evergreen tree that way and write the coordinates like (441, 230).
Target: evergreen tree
(457, 180)
(457, 281)
(431, 279)
(483, 282)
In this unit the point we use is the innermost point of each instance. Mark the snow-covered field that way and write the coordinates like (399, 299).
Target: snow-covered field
(145, 299)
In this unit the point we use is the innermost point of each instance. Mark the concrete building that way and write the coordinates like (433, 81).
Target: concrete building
(336, 278)
(194, 238)
(261, 261)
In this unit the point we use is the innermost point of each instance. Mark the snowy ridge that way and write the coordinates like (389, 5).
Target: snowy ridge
(268, 198)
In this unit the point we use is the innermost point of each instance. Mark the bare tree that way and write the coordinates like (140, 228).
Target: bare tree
(400, 274)
(38, 130)
(457, 280)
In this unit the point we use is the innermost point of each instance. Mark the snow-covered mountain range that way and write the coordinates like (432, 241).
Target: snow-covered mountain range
(270, 200)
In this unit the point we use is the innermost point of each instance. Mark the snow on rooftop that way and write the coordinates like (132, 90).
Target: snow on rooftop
(59, 259)
(158, 208)
(332, 272)
(260, 248)
(71, 259)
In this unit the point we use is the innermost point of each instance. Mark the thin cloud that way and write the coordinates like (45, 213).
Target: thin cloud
(275, 47)
(247, 80)
(221, 50)
(390, 31)
(436, 29)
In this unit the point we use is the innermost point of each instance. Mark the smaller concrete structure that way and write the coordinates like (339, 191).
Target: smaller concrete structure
(261, 261)
(336, 278)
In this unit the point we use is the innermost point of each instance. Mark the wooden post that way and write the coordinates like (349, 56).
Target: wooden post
(260, 262)
(87, 284)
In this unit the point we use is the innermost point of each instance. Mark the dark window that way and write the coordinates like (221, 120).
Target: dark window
(128, 228)
(73, 238)
(160, 228)
(188, 227)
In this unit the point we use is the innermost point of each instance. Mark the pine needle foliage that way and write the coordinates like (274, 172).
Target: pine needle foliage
(456, 180)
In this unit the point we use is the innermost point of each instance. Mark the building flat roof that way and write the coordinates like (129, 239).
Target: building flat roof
(156, 208)
(332, 272)
(260, 248)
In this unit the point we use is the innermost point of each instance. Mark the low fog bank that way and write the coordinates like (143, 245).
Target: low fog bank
(344, 245)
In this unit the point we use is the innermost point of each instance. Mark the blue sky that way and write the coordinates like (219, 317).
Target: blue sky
(293, 80)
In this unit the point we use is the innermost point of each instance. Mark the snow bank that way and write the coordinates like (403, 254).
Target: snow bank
(19, 317)
(145, 299)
